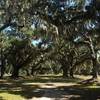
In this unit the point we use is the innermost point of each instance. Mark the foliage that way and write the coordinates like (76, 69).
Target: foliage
(69, 34)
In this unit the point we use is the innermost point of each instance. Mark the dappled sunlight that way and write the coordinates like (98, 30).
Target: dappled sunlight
(43, 98)
(8, 96)
(49, 50)
(31, 90)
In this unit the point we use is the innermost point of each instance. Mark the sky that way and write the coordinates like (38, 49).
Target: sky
(35, 42)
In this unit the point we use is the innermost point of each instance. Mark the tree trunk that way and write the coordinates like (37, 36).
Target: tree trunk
(65, 67)
(71, 67)
(72, 72)
(27, 72)
(65, 71)
(94, 59)
(32, 71)
(2, 69)
(15, 72)
(95, 69)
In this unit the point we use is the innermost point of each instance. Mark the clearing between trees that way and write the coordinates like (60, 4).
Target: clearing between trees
(49, 87)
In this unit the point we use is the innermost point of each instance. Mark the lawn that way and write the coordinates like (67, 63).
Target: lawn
(49, 86)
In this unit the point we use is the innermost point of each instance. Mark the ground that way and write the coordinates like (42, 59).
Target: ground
(49, 88)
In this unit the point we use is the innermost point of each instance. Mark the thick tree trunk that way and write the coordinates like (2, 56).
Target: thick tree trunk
(94, 58)
(65, 67)
(27, 72)
(65, 71)
(65, 75)
(72, 72)
(32, 71)
(15, 73)
(2, 69)
(71, 67)
(95, 69)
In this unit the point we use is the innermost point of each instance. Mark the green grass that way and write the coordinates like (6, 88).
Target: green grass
(8, 96)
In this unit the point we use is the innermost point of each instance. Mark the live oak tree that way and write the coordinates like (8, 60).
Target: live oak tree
(64, 23)
(74, 21)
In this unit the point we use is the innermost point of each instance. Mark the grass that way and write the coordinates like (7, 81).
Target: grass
(26, 89)
(7, 96)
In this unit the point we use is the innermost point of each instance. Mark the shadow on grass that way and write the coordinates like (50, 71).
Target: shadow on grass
(82, 93)
(45, 79)
(28, 91)
(53, 79)
(1, 98)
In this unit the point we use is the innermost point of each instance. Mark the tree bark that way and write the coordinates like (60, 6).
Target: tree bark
(27, 72)
(2, 69)
(15, 73)
(72, 72)
(95, 69)
(94, 59)
(65, 70)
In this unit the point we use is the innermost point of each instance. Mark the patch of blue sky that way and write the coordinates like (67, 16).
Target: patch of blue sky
(92, 25)
(77, 39)
(7, 29)
(33, 26)
(69, 3)
(36, 42)
(50, 13)
(45, 45)
(72, 3)
(87, 2)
